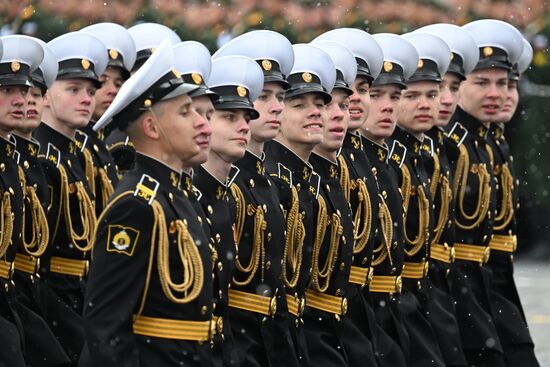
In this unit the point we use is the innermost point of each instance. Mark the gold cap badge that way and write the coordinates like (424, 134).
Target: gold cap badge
(487, 51)
(420, 64)
(388, 66)
(241, 91)
(197, 78)
(147, 103)
(307, 77)
(266, 64)
(15, 66)
(113, 54)
(85, 64)
(176, 73)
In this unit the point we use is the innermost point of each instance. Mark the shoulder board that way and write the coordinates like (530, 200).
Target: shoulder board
(197, 192)
(458, 134)
(284, 173)
(53, 155)
(315, 183)
(81, 139)
(398, 153)
(147, 188)
(428, 145)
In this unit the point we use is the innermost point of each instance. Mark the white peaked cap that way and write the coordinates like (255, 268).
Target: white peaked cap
(430, 47)
(115, 37)
(459, 40)
(397, 50)
(158, 67)
(343, 60)
(362, 45)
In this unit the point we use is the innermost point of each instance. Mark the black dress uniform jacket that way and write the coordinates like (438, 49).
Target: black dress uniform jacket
(99, 164)
(407, 160)
(261, 228)
(297, 185)
(509, 316)
(41, 346)
(219, 211)
(70, 215)
(387, 261)
(440, 305)
(133, 315)
(475, 205)
(331, 264)
(121, 149)
(12, 203)
(364, 340)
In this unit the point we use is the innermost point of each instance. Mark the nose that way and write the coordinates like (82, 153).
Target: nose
(445, 98)
(387, 105)
(243, 126)
(354, 98)
(202, 124)
(276, 108)
(86, 97)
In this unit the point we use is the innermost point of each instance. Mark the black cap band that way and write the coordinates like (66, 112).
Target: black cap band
(392, 73)
(272, 72)
(302, 83)
(39, 81)
(364, 70)
(232, 97)
(493, 57)
(340, 83)
(15, 73)
(78, 69)
(117, 60)
(426, 70)
(457, 66)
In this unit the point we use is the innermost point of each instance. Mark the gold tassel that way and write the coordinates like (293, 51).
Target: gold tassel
(344, 177)
(89, 170)
(106, 186)
(6, 224)
(386, 225)
(504, 217)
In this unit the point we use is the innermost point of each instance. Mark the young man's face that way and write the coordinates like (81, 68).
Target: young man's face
(510, 102)
(302, 119)
(448, 98)
(111, 81)
(336, 125)
(419, 106)
(270, 106)
(230, 134)
(184, 133)
(482, 94)
(12, 108)
(34, 108)
(359, 103)
(204, 107)
(71, 102)
(383, 108)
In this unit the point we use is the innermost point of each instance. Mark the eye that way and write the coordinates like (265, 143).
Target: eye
(344, 106)
(262, 97)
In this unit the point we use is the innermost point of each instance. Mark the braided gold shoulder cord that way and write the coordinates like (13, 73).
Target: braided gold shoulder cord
(386, 225)
(460, 183)
(86, 210)
(89, 170)
(39, 223)
(257, 255)
(362, 219)
(106, 186)
(294, 242)
(324, 273)
(507, 205)
(6, 223)
(442, 182)
(423, 213)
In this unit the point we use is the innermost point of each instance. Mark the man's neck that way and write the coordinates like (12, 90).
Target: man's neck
(330, 155)
(217, 167)
(301, 150)
(59, 126)
(255, 147)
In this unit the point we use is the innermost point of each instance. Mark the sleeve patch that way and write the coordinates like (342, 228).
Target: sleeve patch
(122, 239)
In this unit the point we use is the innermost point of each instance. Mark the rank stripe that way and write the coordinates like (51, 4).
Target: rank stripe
(250, 302)
(504, 243)
(172, 329)
(326, 302)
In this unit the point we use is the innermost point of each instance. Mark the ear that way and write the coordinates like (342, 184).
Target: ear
(150, 126)
(46, 99)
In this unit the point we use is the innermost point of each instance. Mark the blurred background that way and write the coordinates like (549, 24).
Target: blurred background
(215, 22)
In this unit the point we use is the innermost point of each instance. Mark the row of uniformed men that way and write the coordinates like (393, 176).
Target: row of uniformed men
(248, 231)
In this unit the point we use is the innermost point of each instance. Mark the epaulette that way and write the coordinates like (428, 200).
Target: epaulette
(458, 133)
(428, 145)
(398, 153)
(284, 174)
(81, 139)
(147, 188)
(314, 183)
(53, 155)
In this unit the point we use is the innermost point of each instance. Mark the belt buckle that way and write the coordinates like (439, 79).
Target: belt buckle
(398, 284)
(272, 306)
(301, 305)
(426, 269)
(452, 255)
(344, 306)
(486, 254)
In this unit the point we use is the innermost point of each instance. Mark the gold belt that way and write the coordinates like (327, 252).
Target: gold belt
(6, 269)
(295, 305)
(61, 265)
(252, 302)
(386, 284)
(415, 270)
(475, 253)
(326, 302)
(359, 275)
(175, 329)
(504, 243)
(442, 253)
(26, 263)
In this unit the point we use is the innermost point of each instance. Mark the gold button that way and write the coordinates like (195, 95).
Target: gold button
(96, 148)
(2, 167)
(218, 238)
(342, 266)
(267, 265)
(220, 266)
(199, 219)
(171, 196)
(209, 209)
(26, 164)
(384, 194)
(204, 310)
(69, 163)
(352, 157)
(251, 183)
(11, 191)
(269, 236)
